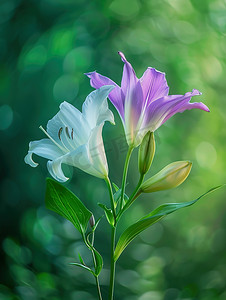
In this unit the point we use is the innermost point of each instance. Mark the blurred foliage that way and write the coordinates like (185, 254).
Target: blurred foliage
(45, 47)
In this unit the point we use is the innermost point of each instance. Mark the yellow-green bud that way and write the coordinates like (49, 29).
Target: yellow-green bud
(169, 177)
(146, 152)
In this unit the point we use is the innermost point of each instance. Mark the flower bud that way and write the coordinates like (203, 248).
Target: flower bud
(92, 221)
(146, 152)
(169, 177)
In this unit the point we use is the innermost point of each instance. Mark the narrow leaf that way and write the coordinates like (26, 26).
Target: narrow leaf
(96, 224)
(115, 187)
(62, 201)
(83, 267)
(108, 214)
(117, 196)
(81, 259)
(99, 262)
(156, 215)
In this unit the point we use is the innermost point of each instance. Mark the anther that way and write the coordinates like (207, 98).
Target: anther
(67, 132)
(72, 132)
(59, 132)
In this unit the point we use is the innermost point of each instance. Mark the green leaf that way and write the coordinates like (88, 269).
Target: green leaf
(117, 196)
(115, 186)
(156, 215)
(99, 262)
(84, 267)
(81, 259)
(108, 214)
(96, 224)
(62, 201)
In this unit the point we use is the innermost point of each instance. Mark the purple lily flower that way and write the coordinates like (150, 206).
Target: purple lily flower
(144, 104)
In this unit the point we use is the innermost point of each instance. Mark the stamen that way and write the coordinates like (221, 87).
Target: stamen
(72, 132)
(59, 132)
(67, 132)
(46, 133)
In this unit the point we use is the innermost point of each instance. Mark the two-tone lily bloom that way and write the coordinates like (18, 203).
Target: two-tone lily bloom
(75, 138)
(144, 104)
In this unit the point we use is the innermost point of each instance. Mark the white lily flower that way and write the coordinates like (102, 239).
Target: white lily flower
(75, 138)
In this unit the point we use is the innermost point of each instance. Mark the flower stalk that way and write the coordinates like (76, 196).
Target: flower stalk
(136, 193)
(124, 177)
(113, 232)
(95, 263)
(112, 271)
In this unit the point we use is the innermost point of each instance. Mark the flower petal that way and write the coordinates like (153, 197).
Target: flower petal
(134, 103)
(44, 148)
(115, 96)
(79, 158)
(95, 108)
(70, 117)
(129, 79)
(164, 108)
(28, 160)
(89, 157)
(154, 85)
(97, 152)
(133, 113)
(55, 170)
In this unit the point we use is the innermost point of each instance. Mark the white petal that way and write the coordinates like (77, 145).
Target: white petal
(70, 117)
(53, 127)
(78, 158)
(28, 160)
(44, 148)
(97, 152)
(55, 170)
(95, 108)
(81, 159)
(105, 114)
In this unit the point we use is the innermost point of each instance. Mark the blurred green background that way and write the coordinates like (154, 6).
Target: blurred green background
(45, 47)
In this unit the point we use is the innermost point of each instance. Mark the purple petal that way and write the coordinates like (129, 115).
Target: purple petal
(133, 111)
(115, 96)
(154, 85)
(184, 104)
(164, 108)
(129, 79)
(132, 90)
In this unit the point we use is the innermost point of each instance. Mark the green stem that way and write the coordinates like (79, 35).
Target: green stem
(130, 150)
(112, 274)
(96, 277)
(98, 288)
(107, 180)
(132, 198)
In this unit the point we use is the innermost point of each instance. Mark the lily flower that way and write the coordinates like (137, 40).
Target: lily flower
(144, 104)
(75, 138)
